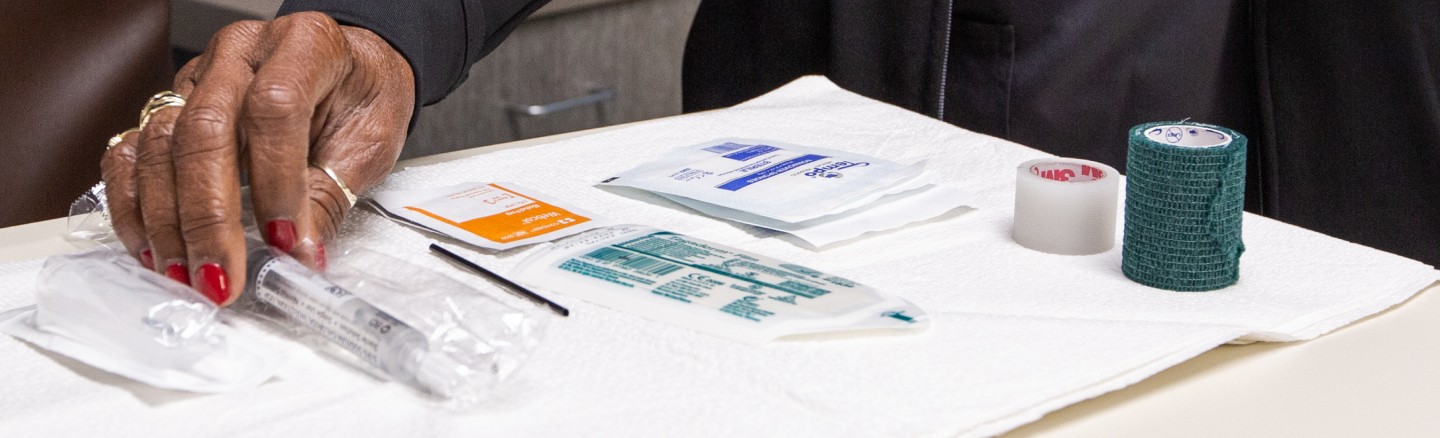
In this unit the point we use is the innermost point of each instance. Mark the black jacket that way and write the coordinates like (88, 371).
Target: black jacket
(440, 38)
(1338, 98)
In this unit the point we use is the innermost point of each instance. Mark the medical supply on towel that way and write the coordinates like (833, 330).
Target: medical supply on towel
(771, 179)
(413, 325)
(102, 308)
(711, 288)
(889, 212)
(1066, 206)
(821, 196)
(1184, 199)
(495, 216)
(504, 283)
(89, 220)
(454, 344)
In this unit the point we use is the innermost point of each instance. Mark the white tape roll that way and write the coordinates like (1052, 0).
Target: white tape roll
(1066, 206)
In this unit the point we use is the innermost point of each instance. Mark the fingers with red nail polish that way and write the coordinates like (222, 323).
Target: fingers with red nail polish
(178, 273)
(320, 260)
(291, 101)
(281, 234)
(147, 258)
(214, 284)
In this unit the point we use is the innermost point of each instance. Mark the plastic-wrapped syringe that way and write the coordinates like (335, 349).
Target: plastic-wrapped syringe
(430, 332)
(454, 352)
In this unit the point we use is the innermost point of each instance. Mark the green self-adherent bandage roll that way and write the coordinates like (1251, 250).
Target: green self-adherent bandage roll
(1184, 199)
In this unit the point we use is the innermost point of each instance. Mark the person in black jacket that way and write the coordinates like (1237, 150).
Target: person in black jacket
(1339, 101)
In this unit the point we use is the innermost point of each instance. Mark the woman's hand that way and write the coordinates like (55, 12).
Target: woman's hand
(284, 100)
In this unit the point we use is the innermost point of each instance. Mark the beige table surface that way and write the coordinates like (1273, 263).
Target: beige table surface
(1379, 377)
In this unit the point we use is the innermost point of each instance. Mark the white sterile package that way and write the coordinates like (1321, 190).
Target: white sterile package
(102, 308)
(778, 181)
(712, 288)
(496, 216)
(891, 211)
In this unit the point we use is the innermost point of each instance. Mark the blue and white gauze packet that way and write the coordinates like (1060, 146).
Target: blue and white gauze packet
(712, 288)
(822, 196)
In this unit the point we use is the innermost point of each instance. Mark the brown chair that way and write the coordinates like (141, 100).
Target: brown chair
(72, 73)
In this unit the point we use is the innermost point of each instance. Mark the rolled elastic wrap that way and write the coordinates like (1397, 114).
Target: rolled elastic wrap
(1184, 199)
(1066, 206)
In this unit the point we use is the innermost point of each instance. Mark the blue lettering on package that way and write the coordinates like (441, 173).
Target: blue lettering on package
(769, 172)
(751, 152)
(725, 147)
(832, 170)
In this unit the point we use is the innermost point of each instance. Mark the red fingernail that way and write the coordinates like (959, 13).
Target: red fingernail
(178, 273)
(280, 234)
(213, 283)
(320, 261)
(147, 258)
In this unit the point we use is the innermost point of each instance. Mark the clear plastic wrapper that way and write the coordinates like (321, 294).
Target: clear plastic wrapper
(89, 220)
(101, 307)
(414, 325)
(398, 320)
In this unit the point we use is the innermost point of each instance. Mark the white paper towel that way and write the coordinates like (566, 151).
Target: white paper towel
(1017, 333)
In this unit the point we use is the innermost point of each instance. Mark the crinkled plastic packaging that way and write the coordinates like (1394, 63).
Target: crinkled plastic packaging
(101, 307)
(89, 220)
(413, 325)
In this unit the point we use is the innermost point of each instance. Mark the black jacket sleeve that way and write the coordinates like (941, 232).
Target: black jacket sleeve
(440, 38)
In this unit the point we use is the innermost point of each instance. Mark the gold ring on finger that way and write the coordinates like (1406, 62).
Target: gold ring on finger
(160, 100)
(117, 138)
(349, 196)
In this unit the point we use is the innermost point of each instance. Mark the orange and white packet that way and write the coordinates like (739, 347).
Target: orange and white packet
(497, 216)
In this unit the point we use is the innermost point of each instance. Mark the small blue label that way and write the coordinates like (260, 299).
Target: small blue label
(1173, 135)
(725, 147)
(751, 152)
(900, 315)
(832, 170)
(766, 173)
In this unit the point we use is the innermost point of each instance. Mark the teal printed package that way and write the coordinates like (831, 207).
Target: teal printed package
(710, 287)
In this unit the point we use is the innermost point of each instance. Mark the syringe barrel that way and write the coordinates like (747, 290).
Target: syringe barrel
(306, 297)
